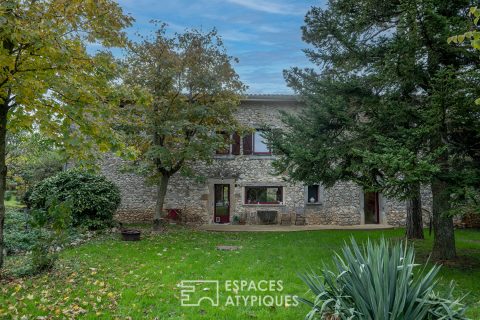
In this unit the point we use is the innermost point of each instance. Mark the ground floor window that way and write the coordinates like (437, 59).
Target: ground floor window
(263, 195)
(313, 194)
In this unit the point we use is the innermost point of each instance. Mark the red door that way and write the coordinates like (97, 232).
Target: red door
(222, 203)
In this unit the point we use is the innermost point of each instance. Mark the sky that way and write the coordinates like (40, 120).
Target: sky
(264, 35)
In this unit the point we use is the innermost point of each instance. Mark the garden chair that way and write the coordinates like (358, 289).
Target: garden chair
(300, 219)
(285, 217)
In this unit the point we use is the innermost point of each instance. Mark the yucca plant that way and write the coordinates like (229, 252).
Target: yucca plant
(377, 281)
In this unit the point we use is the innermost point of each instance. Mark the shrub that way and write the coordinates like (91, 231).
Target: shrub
(19, 235)
(52, 226)
(8, 195)
(26, 197)
(378, 282)
(94, 199)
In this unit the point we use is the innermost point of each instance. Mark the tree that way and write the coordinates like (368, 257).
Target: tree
(31, 158)
(49, 81)
(473, 35)
(190, 91)
(390, 106)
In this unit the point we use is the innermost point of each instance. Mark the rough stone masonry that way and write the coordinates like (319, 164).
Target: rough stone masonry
(241, 183)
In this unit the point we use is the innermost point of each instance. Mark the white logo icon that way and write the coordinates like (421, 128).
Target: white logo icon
(193, 292)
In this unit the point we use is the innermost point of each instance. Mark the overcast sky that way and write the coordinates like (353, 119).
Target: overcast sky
(264, 34)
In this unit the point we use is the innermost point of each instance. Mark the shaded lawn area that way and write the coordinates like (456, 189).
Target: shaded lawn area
(109, 278)
(13, 202)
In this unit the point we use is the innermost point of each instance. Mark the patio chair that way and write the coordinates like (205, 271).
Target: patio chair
(300, 219)
(285, 217)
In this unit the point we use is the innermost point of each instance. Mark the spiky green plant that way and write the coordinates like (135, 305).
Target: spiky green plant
(377, 281)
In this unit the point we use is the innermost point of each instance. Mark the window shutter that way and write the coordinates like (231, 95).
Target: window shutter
(236, 144)
(247, 144)
(226, 150)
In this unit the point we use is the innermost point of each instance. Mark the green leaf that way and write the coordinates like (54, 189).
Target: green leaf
(378, 279)
(475, 44)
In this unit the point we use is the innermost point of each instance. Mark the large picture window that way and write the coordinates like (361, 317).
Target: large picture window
(263, 195)
(260, 144)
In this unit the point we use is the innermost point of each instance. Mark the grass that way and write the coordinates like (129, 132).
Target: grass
(109, 278)
(13, 203)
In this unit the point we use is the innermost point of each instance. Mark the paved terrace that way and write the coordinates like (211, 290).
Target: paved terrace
(280, 228)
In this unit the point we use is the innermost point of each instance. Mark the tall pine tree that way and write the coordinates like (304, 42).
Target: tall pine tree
(391, 105)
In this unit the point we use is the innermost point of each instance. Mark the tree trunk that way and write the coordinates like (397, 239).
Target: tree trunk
(161, 192)
(414, 215)
(3, 175)
(443, 231)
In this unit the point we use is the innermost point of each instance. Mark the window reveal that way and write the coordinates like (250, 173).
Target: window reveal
(263, 195)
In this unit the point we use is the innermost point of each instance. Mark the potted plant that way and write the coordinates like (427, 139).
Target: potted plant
(129, 234)
(236, 219)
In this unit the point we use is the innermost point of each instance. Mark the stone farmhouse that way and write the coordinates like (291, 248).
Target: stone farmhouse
(240, 185)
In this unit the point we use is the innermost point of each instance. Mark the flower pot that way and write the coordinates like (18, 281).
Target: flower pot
(130, 235)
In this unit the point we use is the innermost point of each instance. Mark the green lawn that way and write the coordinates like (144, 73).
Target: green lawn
(13, 203)
(113, 279)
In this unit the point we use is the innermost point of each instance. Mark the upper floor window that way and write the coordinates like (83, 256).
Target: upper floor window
(260, 145)
(256, 143)
(226, 149)
(232, 144)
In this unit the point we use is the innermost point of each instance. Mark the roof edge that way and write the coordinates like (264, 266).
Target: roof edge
(270, 97)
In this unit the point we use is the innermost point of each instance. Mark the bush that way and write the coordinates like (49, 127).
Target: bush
(378, 282)
(94, 199)
(8, 195)
(19, 235)
(52, 225)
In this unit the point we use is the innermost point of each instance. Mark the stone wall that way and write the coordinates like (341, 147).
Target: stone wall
(340, 205)
(396, 210)
(343, 205)
(193, 197)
